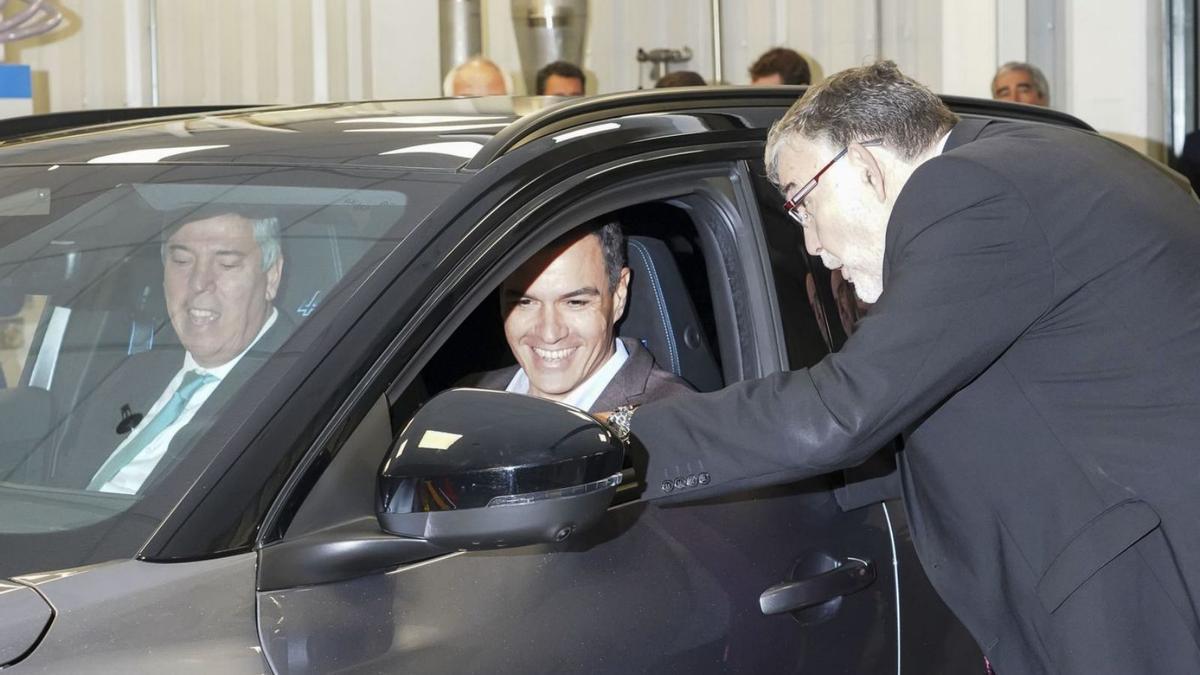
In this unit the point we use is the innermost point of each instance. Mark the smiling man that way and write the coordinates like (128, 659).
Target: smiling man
(560, 312)
(221, 272)
(1035, 340)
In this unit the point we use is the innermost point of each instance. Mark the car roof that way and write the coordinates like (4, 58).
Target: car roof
(459, 134)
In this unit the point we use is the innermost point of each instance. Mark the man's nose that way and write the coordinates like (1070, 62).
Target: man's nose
(201, 278)
(551, 327)
(812, 243)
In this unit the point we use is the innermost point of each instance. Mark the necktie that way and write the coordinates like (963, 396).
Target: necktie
(192, 381)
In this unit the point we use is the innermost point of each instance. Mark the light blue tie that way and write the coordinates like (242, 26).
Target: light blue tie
(192, 381)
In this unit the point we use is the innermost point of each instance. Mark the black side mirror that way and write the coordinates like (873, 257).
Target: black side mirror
(479, 469)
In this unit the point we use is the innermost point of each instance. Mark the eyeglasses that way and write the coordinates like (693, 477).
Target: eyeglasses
(795, 204)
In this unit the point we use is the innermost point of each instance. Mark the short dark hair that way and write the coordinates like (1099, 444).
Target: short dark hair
(612, 244)
(787, 63)
(680, 78)
(561, 69)
(858, 104)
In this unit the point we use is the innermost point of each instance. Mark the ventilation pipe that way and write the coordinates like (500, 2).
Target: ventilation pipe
(459, 32)
(548, 30)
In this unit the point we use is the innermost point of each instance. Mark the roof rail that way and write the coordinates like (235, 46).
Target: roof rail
(582, 111)
(30, 125)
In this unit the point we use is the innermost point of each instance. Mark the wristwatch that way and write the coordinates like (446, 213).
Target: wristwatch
(619, 420)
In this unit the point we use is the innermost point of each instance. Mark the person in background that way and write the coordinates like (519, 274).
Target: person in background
(780, 66)
(560, 78)
(680, 78)
(477, 76)
(1021, 83)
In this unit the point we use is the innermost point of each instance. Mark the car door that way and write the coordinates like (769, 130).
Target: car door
(932, 639)
(652, 588)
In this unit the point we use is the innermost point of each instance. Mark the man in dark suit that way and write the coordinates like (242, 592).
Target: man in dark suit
(221, 274)
(1035, 338)
(560, 312)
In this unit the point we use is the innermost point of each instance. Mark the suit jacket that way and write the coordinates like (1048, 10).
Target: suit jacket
(638, 380)
(1038, 344)
(138, 382)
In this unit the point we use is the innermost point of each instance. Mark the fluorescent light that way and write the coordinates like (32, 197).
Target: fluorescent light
(463, 149)
(423, 130)
(438, 440)
(586, 131)
(150, 155)
(419, 119)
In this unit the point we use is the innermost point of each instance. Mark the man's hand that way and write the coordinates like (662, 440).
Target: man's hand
(602, 416)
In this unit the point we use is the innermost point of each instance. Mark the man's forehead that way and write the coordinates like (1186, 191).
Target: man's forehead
(575, 259)
(230, 227)
(799, 158)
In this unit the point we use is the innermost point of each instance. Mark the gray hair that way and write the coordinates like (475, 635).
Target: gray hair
(875, 101)
(1039, 80)
(266, 229)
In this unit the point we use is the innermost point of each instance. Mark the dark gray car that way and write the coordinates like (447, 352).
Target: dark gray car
(307, 523)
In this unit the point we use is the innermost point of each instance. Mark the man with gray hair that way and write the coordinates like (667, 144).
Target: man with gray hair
(1035, 339)
(221, 273)
(1021, 82)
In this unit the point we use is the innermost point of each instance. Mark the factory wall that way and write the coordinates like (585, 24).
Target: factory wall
(1107, 54)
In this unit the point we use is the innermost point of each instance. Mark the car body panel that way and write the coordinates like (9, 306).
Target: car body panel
(653, 588)
(138, 617)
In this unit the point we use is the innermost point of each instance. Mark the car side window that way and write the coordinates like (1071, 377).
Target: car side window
(811, 328)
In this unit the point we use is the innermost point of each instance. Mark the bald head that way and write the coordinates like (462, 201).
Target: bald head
(477, 77)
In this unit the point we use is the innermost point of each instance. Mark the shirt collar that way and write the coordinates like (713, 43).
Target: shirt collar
(585, 395)
(222, 370)
(941, 145)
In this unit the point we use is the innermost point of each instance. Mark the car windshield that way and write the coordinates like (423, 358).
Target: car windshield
(134, 301)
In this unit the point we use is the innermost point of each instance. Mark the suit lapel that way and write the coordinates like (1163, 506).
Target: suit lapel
(227, 389)
(630, 381)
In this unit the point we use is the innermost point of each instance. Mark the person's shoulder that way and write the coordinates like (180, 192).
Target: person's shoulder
(664, 383)
(659, 383)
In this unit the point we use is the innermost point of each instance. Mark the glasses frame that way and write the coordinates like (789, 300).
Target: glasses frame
(795, 204)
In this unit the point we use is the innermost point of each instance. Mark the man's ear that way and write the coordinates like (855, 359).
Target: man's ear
(274, 274)
(620, 294)
(867, 168)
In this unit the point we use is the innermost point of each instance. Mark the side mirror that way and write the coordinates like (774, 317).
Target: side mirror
(479, 469)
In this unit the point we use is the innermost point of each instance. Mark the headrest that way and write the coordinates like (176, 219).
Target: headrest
(660, 313)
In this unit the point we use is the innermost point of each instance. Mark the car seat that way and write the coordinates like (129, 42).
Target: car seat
(660, 313)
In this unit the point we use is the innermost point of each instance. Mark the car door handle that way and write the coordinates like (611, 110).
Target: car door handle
(853, 574)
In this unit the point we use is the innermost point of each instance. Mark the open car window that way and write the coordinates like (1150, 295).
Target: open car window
(118, 282)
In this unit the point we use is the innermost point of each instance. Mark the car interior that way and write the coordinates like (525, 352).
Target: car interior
(99, 273)
(669, 310)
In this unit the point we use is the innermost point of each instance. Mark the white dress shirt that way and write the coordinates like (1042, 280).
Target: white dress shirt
(584, 396)
(130, 478)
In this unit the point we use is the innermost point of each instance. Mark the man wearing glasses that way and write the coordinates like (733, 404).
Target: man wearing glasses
(1035, 338)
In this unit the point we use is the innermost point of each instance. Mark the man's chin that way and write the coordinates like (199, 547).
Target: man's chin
(553, 390)
(868, 292)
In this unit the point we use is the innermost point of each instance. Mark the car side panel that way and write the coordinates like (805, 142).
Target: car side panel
(653, 589)
(141, 617)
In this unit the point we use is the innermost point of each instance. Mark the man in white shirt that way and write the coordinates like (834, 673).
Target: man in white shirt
(221, 272)
(560, 312)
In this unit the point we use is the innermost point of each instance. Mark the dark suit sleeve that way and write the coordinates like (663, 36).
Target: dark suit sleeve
(967, 272)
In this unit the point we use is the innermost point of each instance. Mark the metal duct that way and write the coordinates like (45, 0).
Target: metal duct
(459, 31)
(548, 30)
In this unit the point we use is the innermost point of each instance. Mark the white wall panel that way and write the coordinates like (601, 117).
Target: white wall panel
(298, 51)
